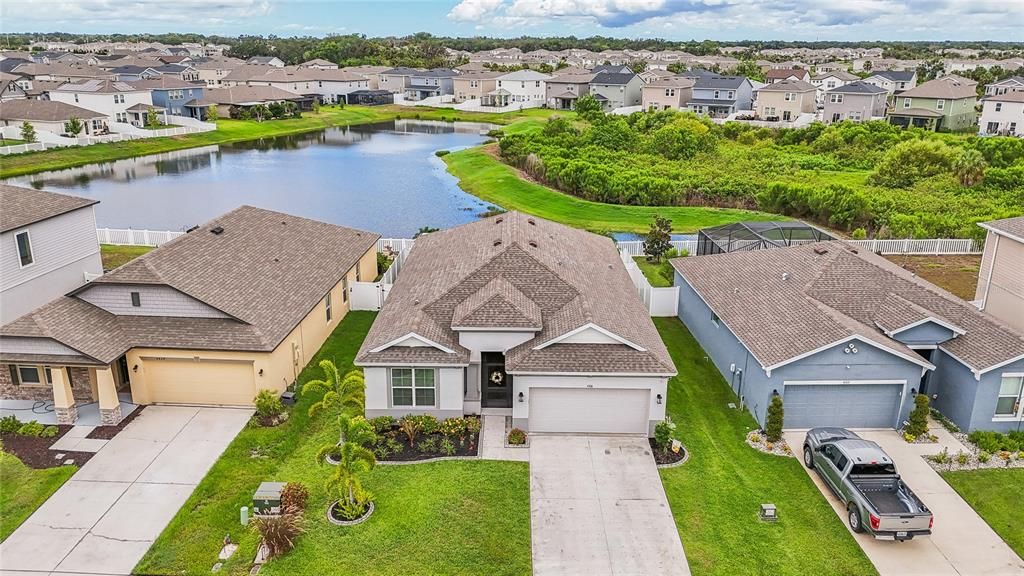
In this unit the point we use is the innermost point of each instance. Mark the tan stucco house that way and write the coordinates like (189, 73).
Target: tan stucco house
(238, 305)
(475, 85)
(1000, 289)
(786, 100)
(672, 92)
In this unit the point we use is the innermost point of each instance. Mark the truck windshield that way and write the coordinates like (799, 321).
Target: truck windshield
(873, 470)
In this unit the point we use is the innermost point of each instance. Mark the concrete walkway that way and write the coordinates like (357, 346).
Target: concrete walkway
(597, 508)
(961, 544)
(104, 519)
(492, 441)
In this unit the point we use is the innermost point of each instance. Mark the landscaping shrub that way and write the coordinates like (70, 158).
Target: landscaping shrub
(348, 393)
(663, 433)
(441, 153)
(447, 447)
(9, 424)
(354, 459)
(774, 419)
(984, 457)
(32, 428)
(993, 442)
(278, 532)
(268, 406)
(294, 497)
(382, 424)
(49, 432)
(412, 425)
(516, 437)
(383, 262)
(427, 445)
(918, 424)
(472, 428)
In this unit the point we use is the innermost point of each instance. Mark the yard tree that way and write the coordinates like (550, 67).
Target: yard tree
(637, 66)
(211, 113)
(774, 419)
(908, 162)
(28, 131)
(152, 120)
(354, 458)
(348, 393)
(589, 108)
(969, 167)
(74, 126)
(659, 238)
(918, 421)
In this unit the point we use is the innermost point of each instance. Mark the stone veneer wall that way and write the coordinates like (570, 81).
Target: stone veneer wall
(80, 387)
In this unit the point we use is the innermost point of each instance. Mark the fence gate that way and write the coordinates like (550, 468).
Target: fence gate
(368, 295)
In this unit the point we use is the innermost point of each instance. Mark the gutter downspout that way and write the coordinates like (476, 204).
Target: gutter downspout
(991, 267)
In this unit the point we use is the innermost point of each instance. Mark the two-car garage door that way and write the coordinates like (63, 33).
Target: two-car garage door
(191, 381)
(846, 404)
(589, 410)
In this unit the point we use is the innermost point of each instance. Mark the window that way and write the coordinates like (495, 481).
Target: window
(118, 98)
(1008, 405)
(999, 106)
(412, 387)
(327, 306)
(670, 91)
(714, 319)
(906, 102)
(537, 84)
(344, 289)
(835, 98)
(1013, 127)
(730, 94)
(76, 97)
(840, 461)
(29, 375)
(24, 248)
(136, 299)
(790, 96)
(718, 94)
(940, 104)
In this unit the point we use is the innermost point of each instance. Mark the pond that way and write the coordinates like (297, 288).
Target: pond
(382, 177)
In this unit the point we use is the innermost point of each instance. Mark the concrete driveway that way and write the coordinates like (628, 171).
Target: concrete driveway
(104, 519)
(597, 507)
(961, 544)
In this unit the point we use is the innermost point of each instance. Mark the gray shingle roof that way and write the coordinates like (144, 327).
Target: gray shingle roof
(719, 82)
(788, 85)
(859, 87)
(44, 111)
(613, 78)
(1007, 227)
(24, 206)
(826, 298)
(570, 278)
(896, 75)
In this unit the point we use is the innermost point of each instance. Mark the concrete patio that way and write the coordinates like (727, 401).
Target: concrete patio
(42, 412)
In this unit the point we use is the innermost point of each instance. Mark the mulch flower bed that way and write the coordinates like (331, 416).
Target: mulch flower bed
(757, 440)
(393, 446)
(666, 456)
(108, 432)
(34, 451)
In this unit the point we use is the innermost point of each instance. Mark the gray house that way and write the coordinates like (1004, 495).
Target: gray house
(856, 101)
(848, 339)
(565, 89)
(719, 96)
(616, 89)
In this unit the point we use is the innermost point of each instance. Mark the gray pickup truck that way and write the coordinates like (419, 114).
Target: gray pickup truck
(865, 479)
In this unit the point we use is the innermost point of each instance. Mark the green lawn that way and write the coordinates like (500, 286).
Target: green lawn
(23, 489)
(715, 496)
(652, 271)
(482, 175)
(240, 130)
(114, 255)
(996, 496)
(440, 518)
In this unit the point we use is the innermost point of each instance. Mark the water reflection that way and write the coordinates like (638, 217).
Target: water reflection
(382, 177)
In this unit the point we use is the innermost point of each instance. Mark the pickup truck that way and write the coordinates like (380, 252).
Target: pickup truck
(863, 476)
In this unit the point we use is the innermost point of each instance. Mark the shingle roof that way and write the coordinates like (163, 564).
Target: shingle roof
(98, 86)
(785, 302)
(1015, 96)
(247, 94)
(671, 82)
(1013, 227)
(841, 74)
(950, 87)
(859, 87)
(165, 82)
(715, 81)
(788, 86)
(783, 73)
(613, 78)
(44, 111)
(508, 270)
(265, 269)
(24, 206)
(896, 75)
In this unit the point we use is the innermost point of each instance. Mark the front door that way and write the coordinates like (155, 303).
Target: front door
(496, 384)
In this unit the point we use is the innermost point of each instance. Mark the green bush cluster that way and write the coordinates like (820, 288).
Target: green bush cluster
(993, 442)
(516, 437)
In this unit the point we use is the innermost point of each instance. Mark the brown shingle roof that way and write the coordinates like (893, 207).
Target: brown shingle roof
(44, 111)
(788, 86)
(570, 278)
(950, 87)
(24, 206)
(826, 298)
(247, 94)
(1007, 227)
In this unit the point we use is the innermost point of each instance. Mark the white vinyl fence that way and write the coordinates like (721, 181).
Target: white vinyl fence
(132, 237)
(659, 301)
(908, 246)
(371, 295)
(636, 247)
(19, 148)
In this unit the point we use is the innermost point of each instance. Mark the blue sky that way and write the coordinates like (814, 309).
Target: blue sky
(670, 19)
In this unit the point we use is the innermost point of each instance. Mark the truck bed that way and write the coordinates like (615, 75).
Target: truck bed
(890, 496)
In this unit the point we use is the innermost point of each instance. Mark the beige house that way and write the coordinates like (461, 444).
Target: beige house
(475, 85)
(238, 305)
(1001, 278)
(786, 100)
(666, 93)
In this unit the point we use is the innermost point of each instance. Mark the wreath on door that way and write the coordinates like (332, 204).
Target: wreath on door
(497, 377)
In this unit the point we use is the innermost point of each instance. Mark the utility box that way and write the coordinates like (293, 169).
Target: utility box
(288, 398)
(267, 499)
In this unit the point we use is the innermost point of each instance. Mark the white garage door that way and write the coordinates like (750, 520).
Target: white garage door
(212, 382)
(848, 404)
(589, 410)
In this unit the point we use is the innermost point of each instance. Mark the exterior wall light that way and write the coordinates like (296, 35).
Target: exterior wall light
(658, 398)
(261, 372)
(135, 368)
(521, 397)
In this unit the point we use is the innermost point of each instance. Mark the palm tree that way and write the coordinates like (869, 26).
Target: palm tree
(969, 167)
(348, 393)
(354, 458)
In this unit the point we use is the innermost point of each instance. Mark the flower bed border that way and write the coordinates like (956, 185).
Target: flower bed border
(760, 447)
(685, 459)
(357, 521)
(425, 460)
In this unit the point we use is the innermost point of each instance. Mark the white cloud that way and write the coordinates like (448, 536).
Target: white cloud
(473, 10)
(195, 12)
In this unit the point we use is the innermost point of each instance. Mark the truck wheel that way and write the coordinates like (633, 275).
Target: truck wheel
(854, 518)
(808, 457)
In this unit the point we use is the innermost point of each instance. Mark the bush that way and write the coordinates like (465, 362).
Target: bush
(908, 162)
(49, 432)
(774, 419)
(382, 424)
(441, 153)
(942, 457)
(663, 433)
(294, 497)
(278, 532)
(9, 424)
(268, 405)
(412, 425)
(427, 445)
(993, 442)
(962, 458)
(984, 457)
(859, 234)
(32, 428)
(472, 427)
(516, 437)
(447, 447)
(918, 424)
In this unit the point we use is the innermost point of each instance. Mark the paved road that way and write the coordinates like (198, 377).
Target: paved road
(961, 544)
(104, 519)
(598, 508)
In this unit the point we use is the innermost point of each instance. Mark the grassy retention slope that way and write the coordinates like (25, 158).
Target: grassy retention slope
(239, 130)
(996, 496)
(482, 175)
(23, 489)
(715, 496)
(116, 255)
(456, 517)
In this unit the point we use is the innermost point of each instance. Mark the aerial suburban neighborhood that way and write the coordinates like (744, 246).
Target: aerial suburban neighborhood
(509, 287)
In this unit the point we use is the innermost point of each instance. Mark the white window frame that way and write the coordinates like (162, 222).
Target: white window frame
(415, 374)
(940, 104)
(17, 248)
(907, 102)
(1018, 413)
(715, 319)
(999, 106)
(835, 98)
(327, 307)
(790, 96)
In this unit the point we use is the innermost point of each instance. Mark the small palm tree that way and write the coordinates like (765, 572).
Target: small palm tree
(354, 458)
(969, 167)
(348, 393)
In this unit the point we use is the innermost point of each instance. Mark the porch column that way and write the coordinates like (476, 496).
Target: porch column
(63, 399)
(110, 405)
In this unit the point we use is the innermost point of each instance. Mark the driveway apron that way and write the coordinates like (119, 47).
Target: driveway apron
(107, 515)
(597, 507)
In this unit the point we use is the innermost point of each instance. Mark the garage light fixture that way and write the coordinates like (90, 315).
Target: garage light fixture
(135, 368)
(658, 398)
(521, 397)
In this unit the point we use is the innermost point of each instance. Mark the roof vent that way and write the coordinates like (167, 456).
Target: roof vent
(499, 220)
(192, 229)
(819, 251)
(217, 230)
(785, 275)
(533, 243)
(497, 242)
(531, 221)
